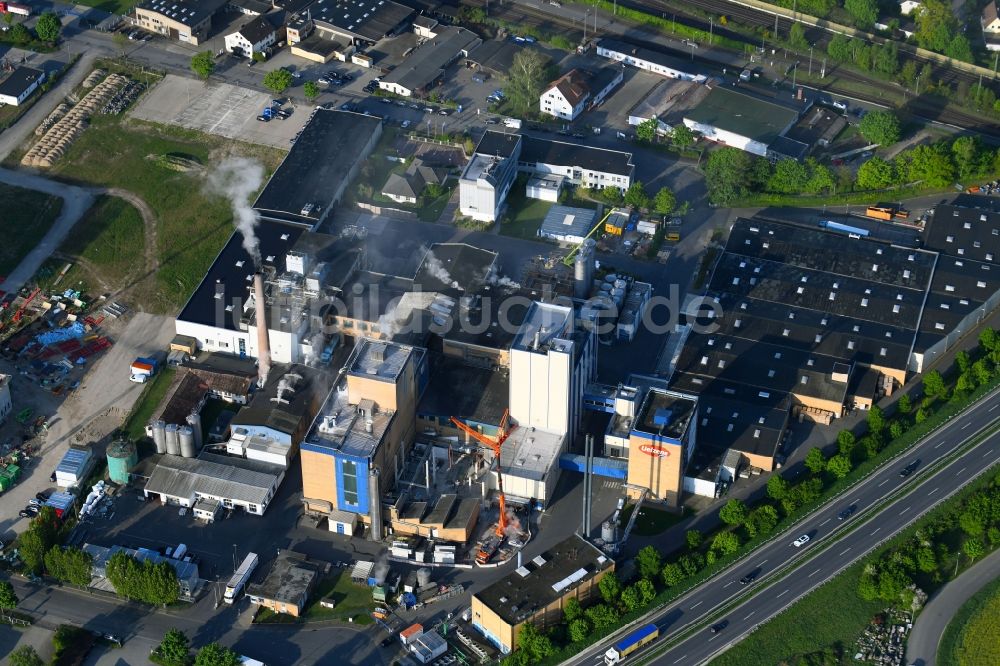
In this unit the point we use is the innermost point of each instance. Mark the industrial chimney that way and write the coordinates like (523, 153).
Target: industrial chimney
(263, 344)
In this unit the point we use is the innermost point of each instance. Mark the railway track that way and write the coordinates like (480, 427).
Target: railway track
(922, 108)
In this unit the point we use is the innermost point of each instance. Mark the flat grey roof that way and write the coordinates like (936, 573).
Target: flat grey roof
(467, 392)
(375, 359)
(743, 114)
(369, 19)
(531, 453)
(428, 61)
(664, 413)
(340, 428)
(219, 476)
(515, 597)
(317, 165)
(288, 581)
(548, 324)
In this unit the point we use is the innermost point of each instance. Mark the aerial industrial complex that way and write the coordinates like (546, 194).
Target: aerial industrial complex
(501, 352)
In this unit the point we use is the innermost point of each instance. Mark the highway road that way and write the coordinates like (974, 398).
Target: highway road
(868, 498)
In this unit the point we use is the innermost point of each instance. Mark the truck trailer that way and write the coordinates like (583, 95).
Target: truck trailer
(626, 646)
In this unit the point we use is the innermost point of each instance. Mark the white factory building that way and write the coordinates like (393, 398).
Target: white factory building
(491, 171)
(648, 59)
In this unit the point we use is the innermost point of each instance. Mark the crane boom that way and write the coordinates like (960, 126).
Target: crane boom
(493, 444)
(568, 259)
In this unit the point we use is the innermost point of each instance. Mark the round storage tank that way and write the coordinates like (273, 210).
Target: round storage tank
(606, 288)
(173, 445)
(609, 532)
(194, 420)
(618, 295)
(122, 457)
(160, 436)
(185, 438)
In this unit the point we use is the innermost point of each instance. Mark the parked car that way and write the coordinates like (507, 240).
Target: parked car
(35, 502)
(32, 509)
(405, 124)
(801, 541)
(42, 497)
(263, 118)
(24, 513)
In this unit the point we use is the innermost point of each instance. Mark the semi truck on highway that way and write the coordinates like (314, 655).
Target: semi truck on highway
(626, 646)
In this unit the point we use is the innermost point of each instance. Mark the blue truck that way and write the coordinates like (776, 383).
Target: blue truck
(626, 646)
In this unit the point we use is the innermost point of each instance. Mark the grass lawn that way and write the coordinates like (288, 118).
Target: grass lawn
(155, 389)
(27, 217)
(651, 521)
(971, 636)
(109, 238)
(120, 153)
(121, 7)
(817, 622)
(524, 216)
(353, 602)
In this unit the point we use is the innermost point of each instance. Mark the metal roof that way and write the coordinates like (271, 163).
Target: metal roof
(216, 476)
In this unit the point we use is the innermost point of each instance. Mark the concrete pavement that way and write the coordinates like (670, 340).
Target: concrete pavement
(922, 646)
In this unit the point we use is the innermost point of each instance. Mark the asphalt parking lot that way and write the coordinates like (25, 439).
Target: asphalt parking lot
(218, 108)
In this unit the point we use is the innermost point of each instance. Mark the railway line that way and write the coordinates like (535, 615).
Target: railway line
(927, 109)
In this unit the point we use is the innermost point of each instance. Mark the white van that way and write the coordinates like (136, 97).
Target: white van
(512, 123)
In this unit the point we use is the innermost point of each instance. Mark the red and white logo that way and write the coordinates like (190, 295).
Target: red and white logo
(654, 451)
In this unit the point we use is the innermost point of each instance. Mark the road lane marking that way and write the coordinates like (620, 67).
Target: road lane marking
(748, 616)
(960, 471)
(814, 573)
(783, 593)
(824, 522)
(994, 406)
(876, 530)
(905, 509)
(697, 604)
(714, 636)
(760, 564)
(939, 445)
(885, 481)
(680, 660)
(933, 491)
(845, 552)
(727, 584)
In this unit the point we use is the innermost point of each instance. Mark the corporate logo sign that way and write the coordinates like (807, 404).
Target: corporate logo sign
(654, 451)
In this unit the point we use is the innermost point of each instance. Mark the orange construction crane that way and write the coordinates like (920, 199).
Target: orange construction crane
(494, 444)
(27, 301)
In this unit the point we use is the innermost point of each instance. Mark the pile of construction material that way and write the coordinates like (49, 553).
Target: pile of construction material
(93, 78)
(52, 119)
(57, 140)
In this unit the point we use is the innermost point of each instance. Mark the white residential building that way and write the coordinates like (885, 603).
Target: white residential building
(19, 85)
(256, 36)
(566, 97)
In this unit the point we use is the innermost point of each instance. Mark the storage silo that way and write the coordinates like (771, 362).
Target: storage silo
(583, 270)
(160, 436)
(122, 457)
(185, 439)
(173, 446)
(194, 420)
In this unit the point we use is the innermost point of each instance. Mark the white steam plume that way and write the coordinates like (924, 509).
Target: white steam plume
(437, 269)
(236, 178)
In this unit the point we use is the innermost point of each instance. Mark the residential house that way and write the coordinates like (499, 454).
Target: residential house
(256, 36)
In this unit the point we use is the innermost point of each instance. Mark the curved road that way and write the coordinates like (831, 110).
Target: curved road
(922, 645)
(868, 496)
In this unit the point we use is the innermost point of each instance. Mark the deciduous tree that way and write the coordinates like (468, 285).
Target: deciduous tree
(815, 460)
(727, 174)
(777, 486)
(864, 12)
(693, 538)
(175, 648)
(664, 202)
(278, 80)
(610, 588)
(8, 597)
(572, 609)
(934, 386)
(839, 465)
(649, 562)
(881, 127)
(734, 512)
(579, 629)
(646, 130)
(525, 80)
(311, 90)
(214, 654)
(203, 64)
(876, 174)
(726, 543)
(681, 136)
(48, 28)
(636, 196)
(25, 656)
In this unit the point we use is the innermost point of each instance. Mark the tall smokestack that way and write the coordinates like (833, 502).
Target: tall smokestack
(263, 344)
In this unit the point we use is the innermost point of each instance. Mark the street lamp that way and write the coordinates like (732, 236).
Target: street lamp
(234, 558)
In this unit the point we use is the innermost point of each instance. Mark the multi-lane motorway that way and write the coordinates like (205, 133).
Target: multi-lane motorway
(881, 520)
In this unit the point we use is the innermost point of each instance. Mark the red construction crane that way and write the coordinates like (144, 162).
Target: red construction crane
(20, 310)
(494, 444)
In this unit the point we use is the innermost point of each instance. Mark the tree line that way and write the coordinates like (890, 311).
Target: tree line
(175, 650)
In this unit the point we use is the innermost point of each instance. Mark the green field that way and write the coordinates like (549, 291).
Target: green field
(971, 636)
(109, 240)
(192, 226)
(353, 602)
(27, 217)
(651, 521)
(143, 410)
(818, 622)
